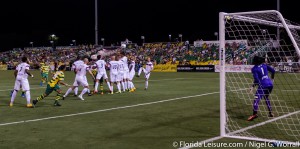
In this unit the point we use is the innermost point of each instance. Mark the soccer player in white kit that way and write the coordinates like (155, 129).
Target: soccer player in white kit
(81, 77)
(121, 75)
(114, 71)
(124, 59)
(147, 71)
(100, 65)
(131, 74)
(21, 74)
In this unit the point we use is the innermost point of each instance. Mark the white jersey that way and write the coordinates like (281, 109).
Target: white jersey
(132, 66)
(125, 62)
(21, 70)
(149, 66)
(121, 66)
(76, 64)
(100, 64)
(114, 67)
(81, 69)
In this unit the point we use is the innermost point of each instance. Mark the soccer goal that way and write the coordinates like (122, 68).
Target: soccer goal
(256, 34)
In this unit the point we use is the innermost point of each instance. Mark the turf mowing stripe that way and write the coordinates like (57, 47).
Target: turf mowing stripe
(110, 109)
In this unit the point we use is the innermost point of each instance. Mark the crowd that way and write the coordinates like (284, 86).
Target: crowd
(169, 53)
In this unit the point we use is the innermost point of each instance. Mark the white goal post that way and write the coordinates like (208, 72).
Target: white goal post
(259, 29)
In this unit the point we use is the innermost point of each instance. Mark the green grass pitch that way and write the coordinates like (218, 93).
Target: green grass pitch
(176, 107)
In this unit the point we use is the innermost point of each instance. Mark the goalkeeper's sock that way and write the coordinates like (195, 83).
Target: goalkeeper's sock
(254, 112)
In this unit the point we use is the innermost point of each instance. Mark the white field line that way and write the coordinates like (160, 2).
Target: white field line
(109, 109)
(133, 82)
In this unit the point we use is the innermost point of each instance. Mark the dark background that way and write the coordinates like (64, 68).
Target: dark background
(26, 21)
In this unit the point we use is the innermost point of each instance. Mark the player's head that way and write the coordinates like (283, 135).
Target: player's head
(86, 60)
(258, 60)
(123, 53)
(113, 57)
(148, 59)
(24, 59)
(62, 68)
(132, 58)
(99, 57)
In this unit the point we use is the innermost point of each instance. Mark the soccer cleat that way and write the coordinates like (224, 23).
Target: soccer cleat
(137, 76)
(111, 92)
(145, 88)
(89, 94)
(252, 117)
(80, 97)
(132, 90)
(75, 95)
(29, 105)
(271, 114)
(95, 91)
(63, 98)
(118, 92)
(11, 104)
(56, 103)
(34, 102)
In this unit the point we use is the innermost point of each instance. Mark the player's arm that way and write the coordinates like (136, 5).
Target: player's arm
(256, 80)
(272, 71)
(26, 70)
(15, 73)
(130, 67)
(90, 72)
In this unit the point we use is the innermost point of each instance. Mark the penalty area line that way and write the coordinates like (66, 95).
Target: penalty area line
(109, 109)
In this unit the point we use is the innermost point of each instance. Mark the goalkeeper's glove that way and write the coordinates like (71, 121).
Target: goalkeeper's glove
(32, 76)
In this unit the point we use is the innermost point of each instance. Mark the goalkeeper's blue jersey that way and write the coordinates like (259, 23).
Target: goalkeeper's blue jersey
(260, 75)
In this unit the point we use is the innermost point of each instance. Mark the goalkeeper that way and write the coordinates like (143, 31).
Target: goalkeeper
(264, 83)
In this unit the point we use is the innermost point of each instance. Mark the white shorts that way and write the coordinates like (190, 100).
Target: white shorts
(126, 75)
(21, 81)
(80, 80)
(100, 75)
(120, 76)
(113, 77)
(131, 75)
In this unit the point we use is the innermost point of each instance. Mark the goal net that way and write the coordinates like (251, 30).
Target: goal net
(256, 34)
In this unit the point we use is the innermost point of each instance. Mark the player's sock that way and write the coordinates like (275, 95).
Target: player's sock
(83, 91)
(108, 84)
(101, 87)
(68, 92)
(126, 85)
(40, 97)
(58, 96)
(96, 86)
(119, 86)
(123, 86)
(146, 84)
(111, 88)
(28, 97)
(13, 96)
(140, 71)
(76, 91)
